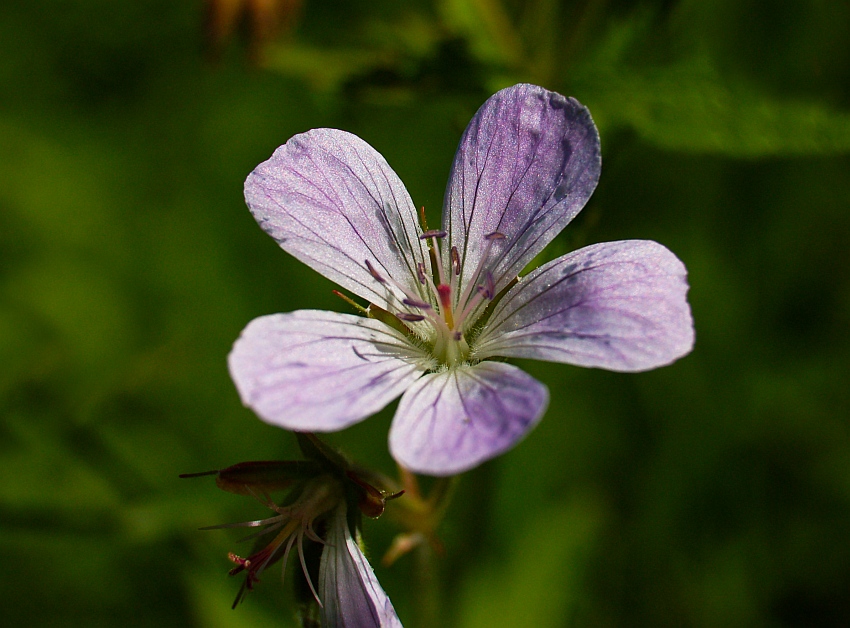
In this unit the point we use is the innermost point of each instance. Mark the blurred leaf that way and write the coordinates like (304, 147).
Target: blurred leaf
(84, 307)
(61, 189)
(488, 28)
(323, 68)
(43, 475)
(688, 106)
(210, 597)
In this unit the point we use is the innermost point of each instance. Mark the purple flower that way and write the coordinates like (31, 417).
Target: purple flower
(446, 302)
(351, 595)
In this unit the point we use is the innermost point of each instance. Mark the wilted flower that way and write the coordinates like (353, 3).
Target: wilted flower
(292, 524)
(445, 302)
(316, 512)
(351, 595)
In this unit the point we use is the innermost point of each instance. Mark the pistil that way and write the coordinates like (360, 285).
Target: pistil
(445, 293)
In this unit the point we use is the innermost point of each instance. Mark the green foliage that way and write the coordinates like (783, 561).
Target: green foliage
(714, 492)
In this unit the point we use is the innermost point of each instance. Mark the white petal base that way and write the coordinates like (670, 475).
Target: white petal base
(451, 421)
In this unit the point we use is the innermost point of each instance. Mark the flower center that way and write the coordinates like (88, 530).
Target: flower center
(441, 314)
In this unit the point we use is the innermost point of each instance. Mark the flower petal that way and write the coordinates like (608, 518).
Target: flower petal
(333, 202)
(451, 421)
(525, 166)
(620, 306)
(321, 371)
(351, 595)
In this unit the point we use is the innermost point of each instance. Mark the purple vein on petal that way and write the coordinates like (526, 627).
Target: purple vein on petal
(618, 305)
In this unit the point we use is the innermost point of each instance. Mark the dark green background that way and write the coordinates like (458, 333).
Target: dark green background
(714, 492)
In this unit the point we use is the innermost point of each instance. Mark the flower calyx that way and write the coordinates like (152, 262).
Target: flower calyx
(314, 492)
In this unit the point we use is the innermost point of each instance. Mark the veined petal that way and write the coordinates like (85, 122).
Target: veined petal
(333, 202)
(451, 421)
(525, 166)
(620, 306)
(321, 371)
(351, 595)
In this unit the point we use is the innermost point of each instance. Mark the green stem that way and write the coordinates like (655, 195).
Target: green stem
(429, 591)
(428, 594)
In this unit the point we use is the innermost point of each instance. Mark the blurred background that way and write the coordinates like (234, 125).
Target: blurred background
(714, 492)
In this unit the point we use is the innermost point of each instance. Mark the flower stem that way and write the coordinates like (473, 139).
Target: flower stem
(427, 585)
(429, 599)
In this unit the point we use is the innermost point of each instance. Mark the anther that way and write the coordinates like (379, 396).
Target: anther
(417, 304)
(491, 286)
(374, 272)
(433, 233)
(475, 277)
(420, 272)
(455, 260)
(410, 318)
(457, 336)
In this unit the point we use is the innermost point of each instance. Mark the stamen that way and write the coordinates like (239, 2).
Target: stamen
(433, 288)
(374, 272)
(411, 318)
(475, 301)
(491, 287)
(420, 272)
(473, 280)
(351, 302)
(454, 260)
(433, 233)
(417, 304)
(436, 259)
(455, 256)
(389, 282)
